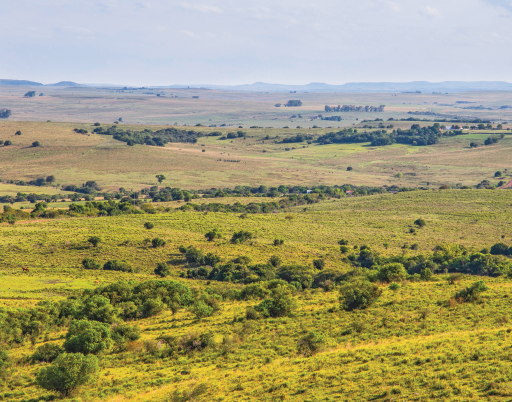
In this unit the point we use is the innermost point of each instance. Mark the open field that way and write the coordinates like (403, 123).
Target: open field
(411, 344)
(76, 158)
(235, 108)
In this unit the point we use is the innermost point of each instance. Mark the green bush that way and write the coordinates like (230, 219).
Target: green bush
(162, 269)
(275, 261)
(87, 337)
(472, 293)
(394, 286)
(420, 222)
(158, 242)
(213, 234)
(241, 236)
(310, 344)
(394, 272)
(47, 352)
(89, 263)
(426, 274)
(499, 249)
(94, 240)
(319, 264)
(359, 294)
(149, 225)
(115, 265)
(280, 304)
(68, 372)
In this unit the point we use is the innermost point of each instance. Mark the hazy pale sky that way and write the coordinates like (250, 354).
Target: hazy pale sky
(158, 42)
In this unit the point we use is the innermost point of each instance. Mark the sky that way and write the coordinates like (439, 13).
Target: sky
(228, 42)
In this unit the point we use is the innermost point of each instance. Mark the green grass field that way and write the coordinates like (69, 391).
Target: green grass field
(410, 345)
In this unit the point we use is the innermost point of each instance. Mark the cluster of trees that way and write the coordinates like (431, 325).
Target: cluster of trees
(488, 141)
(298, 138)
(89, 187)
(5, 113)
(149, 137)
(293, 103)
(30, 94)
(353, 108)
(416, 136)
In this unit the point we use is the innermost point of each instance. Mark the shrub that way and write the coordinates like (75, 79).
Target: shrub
(68, 372)
(89, 263)
(94, 240)
(344, 249)
(319, 264)
(359, 294)
(499, 249)
(47, 352)
(158, 242)
(343, 242)
(213, 234)
(280, 304)
(87, 337)
(394, 272)
(241, 236)
(426, 274)
(149, 225)
(4, 363)
(191, 394)
(17, 132)
(200, 309)
(7, 143)
(472, 293)
(36, 144)
(394, 286)
(310, 344)
(420, 222)
(162, 269)
(116, 265)
(123, 333)
(278, 242)
(252, 314)
(275, 261)
(194, 341)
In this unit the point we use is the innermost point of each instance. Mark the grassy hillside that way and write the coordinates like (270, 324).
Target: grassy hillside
(416, 342)
(75, 158)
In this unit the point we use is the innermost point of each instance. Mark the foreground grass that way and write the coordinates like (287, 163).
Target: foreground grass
(413, 344)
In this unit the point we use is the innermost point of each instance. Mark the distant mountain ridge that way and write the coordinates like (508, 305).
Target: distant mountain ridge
(421, 86)
(414, 86)
(17, 83)
(20, 83)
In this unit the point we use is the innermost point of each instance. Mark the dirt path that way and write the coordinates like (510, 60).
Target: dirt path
(508, 185)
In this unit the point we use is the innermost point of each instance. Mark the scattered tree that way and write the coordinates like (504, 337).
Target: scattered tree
(149, 225)
(36, 144)
(68, 372)
(162, 269)
(94, 240)
(158, 242)
(160, 178)
(359, 294)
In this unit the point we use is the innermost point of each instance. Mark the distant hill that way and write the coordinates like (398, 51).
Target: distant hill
(64, 84)
(415, 86)
(19, 83)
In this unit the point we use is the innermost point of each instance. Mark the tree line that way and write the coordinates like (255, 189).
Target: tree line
(353, 108)
(149, 137)
(416, 136)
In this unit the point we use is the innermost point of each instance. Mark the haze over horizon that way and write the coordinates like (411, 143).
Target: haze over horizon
(222, 42)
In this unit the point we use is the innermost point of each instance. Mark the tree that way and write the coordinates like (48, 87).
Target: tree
(213, 234)
(394, 272)
(241, 236)
(426, 274)
(30, 94)
(17, 132)
(50, 179)
(359, 294)
(94, 240)
(7, 143)
(350, 168)
(162, 269)
(36, 144)
(499, 249)
(149, 225)
(5, 113)
(280, 304)
(87, 337)
(319, 264)
(473, 144)
(68, 372)
(89, 263)
(498, 174)
(158, 242)
(420, 222)
(160, 178)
